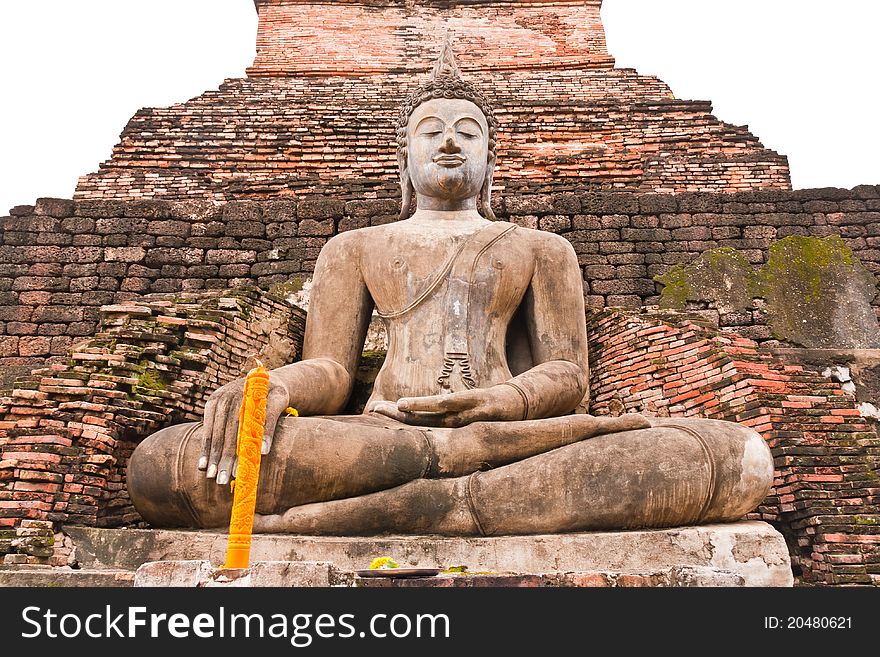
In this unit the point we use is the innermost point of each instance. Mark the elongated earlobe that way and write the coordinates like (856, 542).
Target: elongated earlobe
(407, 192)
(484, 202)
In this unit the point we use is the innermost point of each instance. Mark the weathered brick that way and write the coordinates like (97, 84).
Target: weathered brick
(57, 314)
(169, 227)
(657, 204)
(124, 254)
(76, 225)
(148, 209)
(164, 256)
(311, 228)
(229, 256)
(54, 207)
(27, 283)
(34, 346)
(321, 208)
(369, 208)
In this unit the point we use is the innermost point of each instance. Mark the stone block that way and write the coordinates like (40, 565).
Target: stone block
(196, 210)
(566, 203)
(700, 203)
(98, 208)
(54, 207)
(41, 576)
(251, 228)
(192, 574)
(751, 549)
(373, 208)
(169, 227)
(167, 256)
(120, 225)
(315, 209)
(819, 295)
(19, 238)
(280, 211)
(527, 204)
(555, 223)
(657, 204)
(22, 210)
(229, 256)
(147, 209)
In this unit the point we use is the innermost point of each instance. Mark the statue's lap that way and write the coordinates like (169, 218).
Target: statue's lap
(678, 472)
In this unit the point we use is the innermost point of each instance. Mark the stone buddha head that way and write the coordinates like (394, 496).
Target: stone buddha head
(446, 143)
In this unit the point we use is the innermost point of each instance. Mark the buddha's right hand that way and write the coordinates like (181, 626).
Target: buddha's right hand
(220, 429)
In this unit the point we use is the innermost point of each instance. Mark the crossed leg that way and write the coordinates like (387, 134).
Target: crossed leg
(318, 459)
(679, 472)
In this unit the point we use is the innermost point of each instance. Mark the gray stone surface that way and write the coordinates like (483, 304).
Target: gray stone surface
(680, 576)
(719, 276)
(819, 294)
(67, 577)
(201, 573)
(753, 550)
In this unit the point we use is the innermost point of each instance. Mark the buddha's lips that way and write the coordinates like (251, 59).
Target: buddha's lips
(448, 160)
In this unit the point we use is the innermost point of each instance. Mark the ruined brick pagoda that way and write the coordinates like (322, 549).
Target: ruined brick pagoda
(317, 110)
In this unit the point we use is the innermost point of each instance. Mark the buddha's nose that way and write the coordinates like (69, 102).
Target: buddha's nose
(449, 144)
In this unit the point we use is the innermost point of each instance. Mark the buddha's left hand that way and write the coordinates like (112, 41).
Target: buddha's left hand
(455, 409)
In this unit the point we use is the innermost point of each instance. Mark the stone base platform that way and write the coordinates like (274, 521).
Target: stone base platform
(753, 550)
(201, 574)
(53, 577)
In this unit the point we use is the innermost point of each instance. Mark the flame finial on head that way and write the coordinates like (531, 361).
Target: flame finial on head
(446, 66)
(445, 82)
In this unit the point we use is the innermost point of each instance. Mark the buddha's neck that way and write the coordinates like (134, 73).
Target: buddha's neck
(446, 217)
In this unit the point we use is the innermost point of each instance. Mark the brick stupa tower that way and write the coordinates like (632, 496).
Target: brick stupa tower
(316, 112)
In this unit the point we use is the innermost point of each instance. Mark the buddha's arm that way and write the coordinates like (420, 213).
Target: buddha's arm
(320, 384)
(336, 327)
(554, 313)
(555, 323)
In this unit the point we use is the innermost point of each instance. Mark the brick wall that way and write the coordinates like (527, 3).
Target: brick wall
(60, 260)
(68, 430)
(302, 37)
(827, 457)
(318, 109)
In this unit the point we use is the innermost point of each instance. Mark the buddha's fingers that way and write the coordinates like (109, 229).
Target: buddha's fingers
(217, 438)
(448, 403)
(230, 441)
(276, 404)
(207, 429)
(387, 409)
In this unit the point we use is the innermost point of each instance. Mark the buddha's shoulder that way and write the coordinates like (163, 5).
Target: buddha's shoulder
(540, 239)
(355, 238)
(358, 235)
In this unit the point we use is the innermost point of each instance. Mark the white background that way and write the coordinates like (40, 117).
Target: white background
(802, 74)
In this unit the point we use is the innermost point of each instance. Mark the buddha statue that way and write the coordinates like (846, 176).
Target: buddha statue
(477, 421)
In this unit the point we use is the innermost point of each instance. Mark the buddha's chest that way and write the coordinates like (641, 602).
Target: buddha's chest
(408, 272)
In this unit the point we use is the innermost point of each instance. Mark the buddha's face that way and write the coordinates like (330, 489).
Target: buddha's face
(447, 149)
